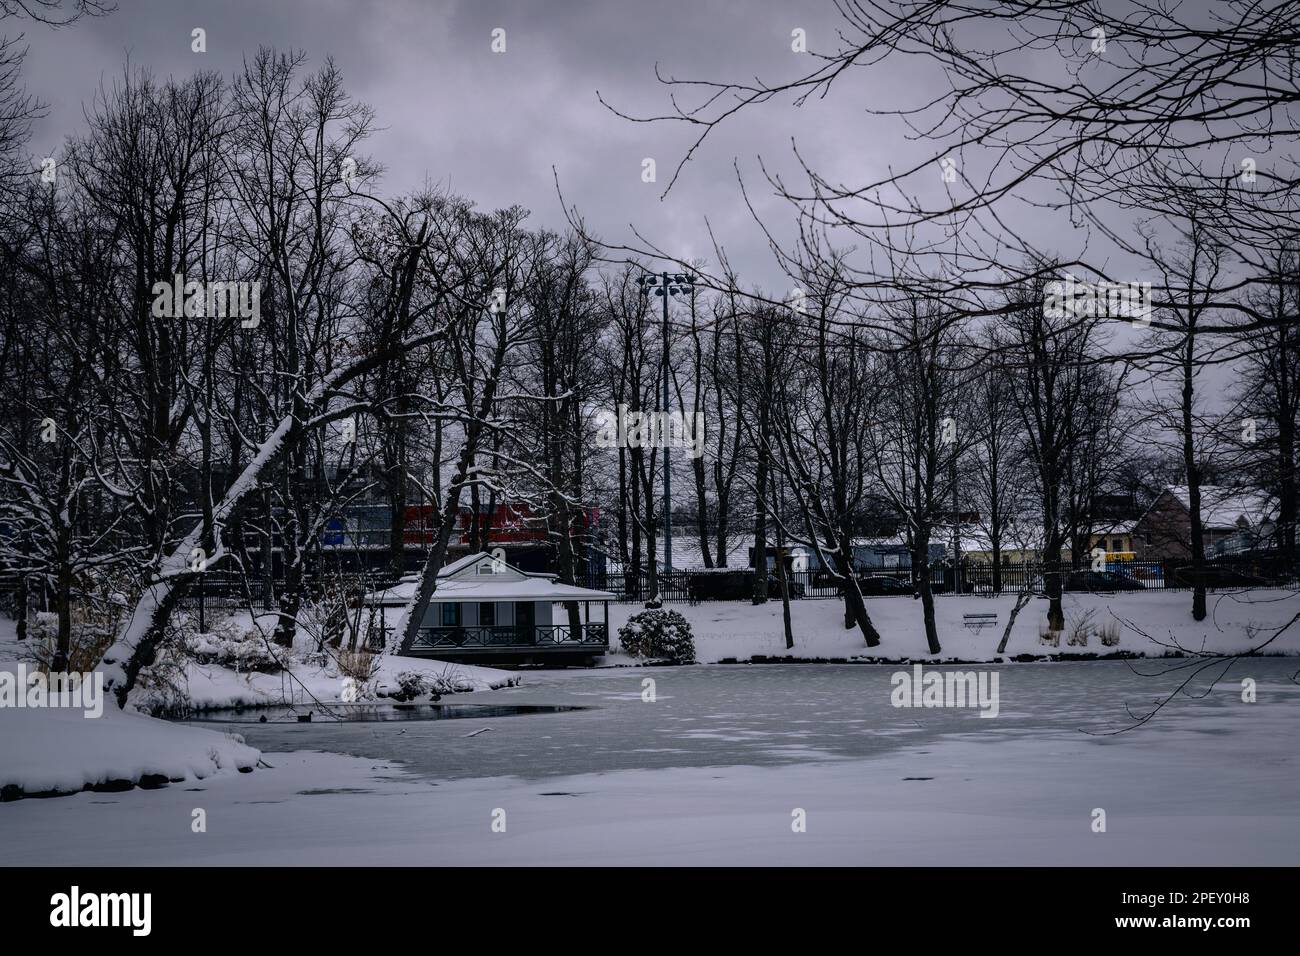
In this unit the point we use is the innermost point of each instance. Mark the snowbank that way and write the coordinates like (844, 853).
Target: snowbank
(51, 751)
(211, 687)
(1151, 623)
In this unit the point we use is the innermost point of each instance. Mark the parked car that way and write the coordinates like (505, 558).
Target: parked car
(1101, 581)
(880, 585)
(774, 587)
(718, 585)
(822, 578)
(737, 585)
(1214, 577)
(871, 585)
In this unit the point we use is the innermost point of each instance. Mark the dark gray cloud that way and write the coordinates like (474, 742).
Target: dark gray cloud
(492, 126)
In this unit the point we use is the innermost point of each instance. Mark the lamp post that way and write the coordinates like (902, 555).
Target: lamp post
(667, 285)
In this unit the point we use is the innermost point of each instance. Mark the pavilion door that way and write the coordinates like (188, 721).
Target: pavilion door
(526, 622)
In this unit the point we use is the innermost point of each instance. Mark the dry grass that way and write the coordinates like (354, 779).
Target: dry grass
(361, 666)
(88, 642)
(1080, 628)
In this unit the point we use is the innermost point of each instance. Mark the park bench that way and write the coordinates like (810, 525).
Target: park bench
(979, 621)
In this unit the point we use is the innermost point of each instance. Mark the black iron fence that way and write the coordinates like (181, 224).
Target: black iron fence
(737, 584)
(215, 593)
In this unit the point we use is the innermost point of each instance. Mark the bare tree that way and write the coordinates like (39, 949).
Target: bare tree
(919, 390)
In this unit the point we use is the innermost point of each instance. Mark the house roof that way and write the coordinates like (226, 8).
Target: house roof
(530, 589)
(890, 541)
(1118, 526)
(687, 555)
(459, 581)
(975, 538)
(396, 596)
(460, 564)
(1226, 507)
(465, 580)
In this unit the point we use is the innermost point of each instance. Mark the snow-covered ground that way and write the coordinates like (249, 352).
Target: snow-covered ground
(1152, 623)
(61, 751)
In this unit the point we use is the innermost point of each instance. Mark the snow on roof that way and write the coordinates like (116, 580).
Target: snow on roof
(1122, 526)
(1226, 507)
(456, 584)
(460, 564)
(892, 541)
(975, 538)
(398, 595)
(687, 555)
(528, 589)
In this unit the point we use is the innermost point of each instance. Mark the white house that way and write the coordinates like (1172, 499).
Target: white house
(487, 611)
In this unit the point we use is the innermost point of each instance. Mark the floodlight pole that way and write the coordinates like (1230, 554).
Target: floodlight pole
(666, 285)
(668, 475)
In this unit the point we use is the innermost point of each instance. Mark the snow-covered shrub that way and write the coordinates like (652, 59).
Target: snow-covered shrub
(314, 626)
(44, 626)
(228, 644)
(658, 634)
(331, 620)
(164, 682)
(1109, 634)
(416, 684)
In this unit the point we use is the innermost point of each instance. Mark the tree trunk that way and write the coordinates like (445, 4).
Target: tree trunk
(21, 601)
(782, 577)
(1193, 479)
(759, 594)
(702, 511)
(1052, 555)
(921, 560)
(1021, 600)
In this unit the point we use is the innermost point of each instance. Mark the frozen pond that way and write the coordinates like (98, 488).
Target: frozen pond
(773, 714)
(715, 768)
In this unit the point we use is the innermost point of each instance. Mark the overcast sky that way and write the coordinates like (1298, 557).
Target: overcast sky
(492, 126)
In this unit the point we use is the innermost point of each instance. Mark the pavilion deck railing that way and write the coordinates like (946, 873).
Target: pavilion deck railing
(505, 637)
